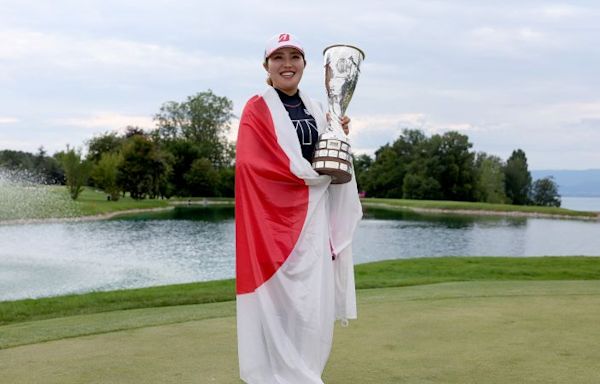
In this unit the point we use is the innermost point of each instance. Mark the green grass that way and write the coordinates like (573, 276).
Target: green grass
(397, 273)
(471, 206)
(34, 201)
(54, 202)
(37, 331)
(487, 320)
(472, 332)
(92, 202)
(96, 302)
(492, 332)
(393, 273)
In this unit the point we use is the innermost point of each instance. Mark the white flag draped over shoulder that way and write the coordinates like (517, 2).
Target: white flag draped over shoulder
(289, 221)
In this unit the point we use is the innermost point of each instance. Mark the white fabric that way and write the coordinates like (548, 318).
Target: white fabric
(285, 327)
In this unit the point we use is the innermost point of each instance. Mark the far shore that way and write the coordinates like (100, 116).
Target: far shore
(593, 216)
(103, 216)
(482, 212)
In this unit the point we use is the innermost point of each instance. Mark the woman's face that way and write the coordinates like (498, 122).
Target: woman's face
(285, 67)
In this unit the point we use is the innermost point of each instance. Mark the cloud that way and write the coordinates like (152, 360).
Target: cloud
(560, 11)
(8, 120)
(107, 121)
(507, 41)
(25, 48)
(16, 145)
(233, 132)
(508, 74)
(370, 132)
(582, 109)
(366, 124)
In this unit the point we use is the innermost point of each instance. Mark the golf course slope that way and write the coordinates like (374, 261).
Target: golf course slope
(453, 332)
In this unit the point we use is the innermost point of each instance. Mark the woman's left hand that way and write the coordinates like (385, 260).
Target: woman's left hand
(345, 120)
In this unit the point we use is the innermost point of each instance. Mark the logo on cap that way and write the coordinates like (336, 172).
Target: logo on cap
(284, 37)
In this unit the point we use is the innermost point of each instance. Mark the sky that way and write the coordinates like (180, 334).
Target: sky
(508, 74)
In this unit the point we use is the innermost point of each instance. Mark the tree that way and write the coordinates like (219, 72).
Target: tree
(419, 186)
(489, 184)
(450, 162)
(411, 149)
(183, 153)
(384, 176)
(226, 183)
(105, 174)
(40, 167)
(40, 157)
(517, 178)
(47, 168)
(422, 172)
(361, 165)
(17, 160)
(545, 192)
(202, 178)
(202, 119)
(132, 130)
(417, 167)
(108, 142)
(144, 168)
(76, 170)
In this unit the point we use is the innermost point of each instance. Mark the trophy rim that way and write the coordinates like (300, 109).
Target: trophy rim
(345, 45)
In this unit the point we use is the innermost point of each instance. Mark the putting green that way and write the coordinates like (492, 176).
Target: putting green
(474, 332)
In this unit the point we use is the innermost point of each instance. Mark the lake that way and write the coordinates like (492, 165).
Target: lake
(578, 203)
(197, 244)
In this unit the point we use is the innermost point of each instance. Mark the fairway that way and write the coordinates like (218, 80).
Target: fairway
(464, 332)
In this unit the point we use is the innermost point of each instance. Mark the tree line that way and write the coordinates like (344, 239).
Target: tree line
(187, 154)
(444, 167)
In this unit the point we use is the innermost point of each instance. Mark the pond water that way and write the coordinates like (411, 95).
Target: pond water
(197, 244)
(580, 203)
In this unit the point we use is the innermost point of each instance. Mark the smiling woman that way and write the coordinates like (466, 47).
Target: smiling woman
(285, 67)
(294, 268)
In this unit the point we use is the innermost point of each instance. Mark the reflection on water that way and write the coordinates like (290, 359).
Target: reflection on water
(197, 244)
(445, 220)
(406, 234)
(192, 212)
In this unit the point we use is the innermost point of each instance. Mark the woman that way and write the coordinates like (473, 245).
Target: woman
(293, 231)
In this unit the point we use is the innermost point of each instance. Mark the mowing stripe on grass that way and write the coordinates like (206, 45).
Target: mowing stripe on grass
(392, 273)
(469, 332)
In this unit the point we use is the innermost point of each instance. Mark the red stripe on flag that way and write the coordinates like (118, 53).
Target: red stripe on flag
(271, 202)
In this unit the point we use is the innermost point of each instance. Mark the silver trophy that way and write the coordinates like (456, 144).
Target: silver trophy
(332, 153)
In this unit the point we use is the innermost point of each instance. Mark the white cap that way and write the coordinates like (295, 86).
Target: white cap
(282, 40)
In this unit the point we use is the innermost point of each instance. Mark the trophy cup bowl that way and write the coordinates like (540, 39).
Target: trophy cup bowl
(333, 155)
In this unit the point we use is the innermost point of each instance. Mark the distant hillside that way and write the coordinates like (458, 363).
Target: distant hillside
(573, 183)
